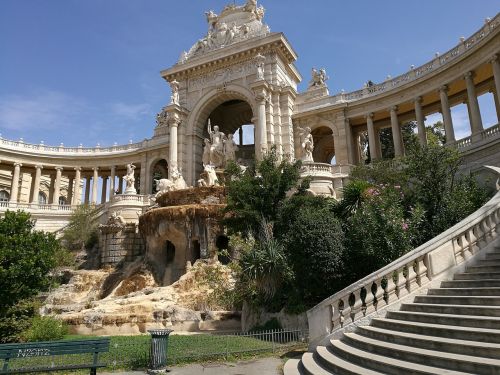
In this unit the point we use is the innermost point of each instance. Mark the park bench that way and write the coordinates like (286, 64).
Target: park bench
(34, 356)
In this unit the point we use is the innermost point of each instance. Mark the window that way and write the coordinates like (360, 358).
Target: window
(62, 201)
(42, 198)
(4, 196)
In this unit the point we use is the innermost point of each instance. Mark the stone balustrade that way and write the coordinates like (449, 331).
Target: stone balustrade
(35, 206)
(373, 294)
(486, 134)
(463, 47)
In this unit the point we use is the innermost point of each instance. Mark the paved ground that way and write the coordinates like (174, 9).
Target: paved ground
(263, 366)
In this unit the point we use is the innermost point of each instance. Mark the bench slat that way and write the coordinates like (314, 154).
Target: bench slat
(48, 369)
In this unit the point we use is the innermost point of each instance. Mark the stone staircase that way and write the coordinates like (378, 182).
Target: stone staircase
(454, 329)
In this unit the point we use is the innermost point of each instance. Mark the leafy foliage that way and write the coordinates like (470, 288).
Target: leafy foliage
(45, 328)
(257, 194)
(81, 231)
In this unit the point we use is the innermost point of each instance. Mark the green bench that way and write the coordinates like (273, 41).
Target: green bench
(33, 355)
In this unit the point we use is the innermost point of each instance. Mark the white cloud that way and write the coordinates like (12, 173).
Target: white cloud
(41, 110)
(130, 111)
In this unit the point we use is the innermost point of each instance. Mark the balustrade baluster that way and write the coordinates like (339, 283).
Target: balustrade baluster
(464, 243)
(421, 270)
(401, 283)
(379, 300)
(357, 304)
(369, 306)
(472, 239)
(336, 316)
(344, 310)
(411, 278)
(457, 250)
(390, 289)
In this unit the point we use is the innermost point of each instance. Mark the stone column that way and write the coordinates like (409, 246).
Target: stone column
(422, 134)
(71, 189)
(120, 185)
(173, 123)
(287, 99)
(261, 133)
(95, 180)
(371, 136)
(396, 132)
(475, 115)
(277, 122)
(104, 188)
(87, 189)
(350, 144)
(36, 184)
(14, 187)
(445, 110)
(377, 144)
(77, 193)
(50, 198)
(495, 64)
(497, 104)
(112, 182)
(57, 186)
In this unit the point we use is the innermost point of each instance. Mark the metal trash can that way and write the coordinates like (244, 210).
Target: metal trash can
(158, 351)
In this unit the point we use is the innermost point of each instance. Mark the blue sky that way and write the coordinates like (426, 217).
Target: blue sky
(87, 71)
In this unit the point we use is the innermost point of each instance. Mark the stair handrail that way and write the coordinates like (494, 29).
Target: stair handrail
(406, 274)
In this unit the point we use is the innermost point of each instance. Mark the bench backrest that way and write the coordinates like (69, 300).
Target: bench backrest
(48, 348)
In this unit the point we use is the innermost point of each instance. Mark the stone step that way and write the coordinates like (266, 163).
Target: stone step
(423, 356)
(444, 344)
(492, 256)
(446, 319)
(477, 276)
(292, 367)
(441, 330)
(460, 300)
(483, 269)
(311, 367)
(494, 283)
(488, 262)
(339, 365)
(386, 365)
(477, 291)
(492, 311)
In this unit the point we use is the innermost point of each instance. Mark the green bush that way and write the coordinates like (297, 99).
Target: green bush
(16, 319)
(45, 328)
(271, 324)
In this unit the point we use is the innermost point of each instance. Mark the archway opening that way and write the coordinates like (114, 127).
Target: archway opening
(4, 196)
(159, 170)
(324, 145)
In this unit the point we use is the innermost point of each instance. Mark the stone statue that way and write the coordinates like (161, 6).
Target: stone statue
(251, 6)
(318, 78)
(230, 148)
(211, 18)
(116, 219)
(307, 144)
(206, 152)
(259, 13)
(217, 139)
(130, 179)
(174, 98)
(210, 178)
(162, 118)
(260, 63)
(176, 182)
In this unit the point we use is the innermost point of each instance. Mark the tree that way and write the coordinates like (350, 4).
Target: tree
(26, 258)
(81, 231)
(256, 195)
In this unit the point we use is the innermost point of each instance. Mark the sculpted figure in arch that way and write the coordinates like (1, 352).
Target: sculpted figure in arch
(307, 144)
(230, 148)
(217, 139)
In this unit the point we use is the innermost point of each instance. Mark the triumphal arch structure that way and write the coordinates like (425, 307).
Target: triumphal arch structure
(234, 95)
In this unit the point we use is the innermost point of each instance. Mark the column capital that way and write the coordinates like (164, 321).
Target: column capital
(173, 119)
(95, 169)
(419, 99)
(443, 88)
(38, 166)
(469, 75)
(112, 168)
(18, 165)
(394, 108)
(369, 115)
(58, 168)
(77, 168)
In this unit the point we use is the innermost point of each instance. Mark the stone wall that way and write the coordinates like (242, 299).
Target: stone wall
(119, 242)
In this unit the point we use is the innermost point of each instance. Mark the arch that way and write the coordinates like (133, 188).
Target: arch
(62, 200)
(4, 196)
(324, 144)
(158, 169)
(42, 197)
(199, 115)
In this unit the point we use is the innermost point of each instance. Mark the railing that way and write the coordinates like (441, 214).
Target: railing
(37, 206)
(406, 274)
(415, 73)
(309, 168)
(485, 134)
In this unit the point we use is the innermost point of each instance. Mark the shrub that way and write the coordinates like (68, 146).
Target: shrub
(16, 319)
(45, 328)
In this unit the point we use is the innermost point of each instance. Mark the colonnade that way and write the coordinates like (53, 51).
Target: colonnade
(471, 100)
(77, 178)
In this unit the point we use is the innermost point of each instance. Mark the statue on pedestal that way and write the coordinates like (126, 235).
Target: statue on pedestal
(318, 78)
(307, 144)
(130, 180)
(217, 139)
(174, 87)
